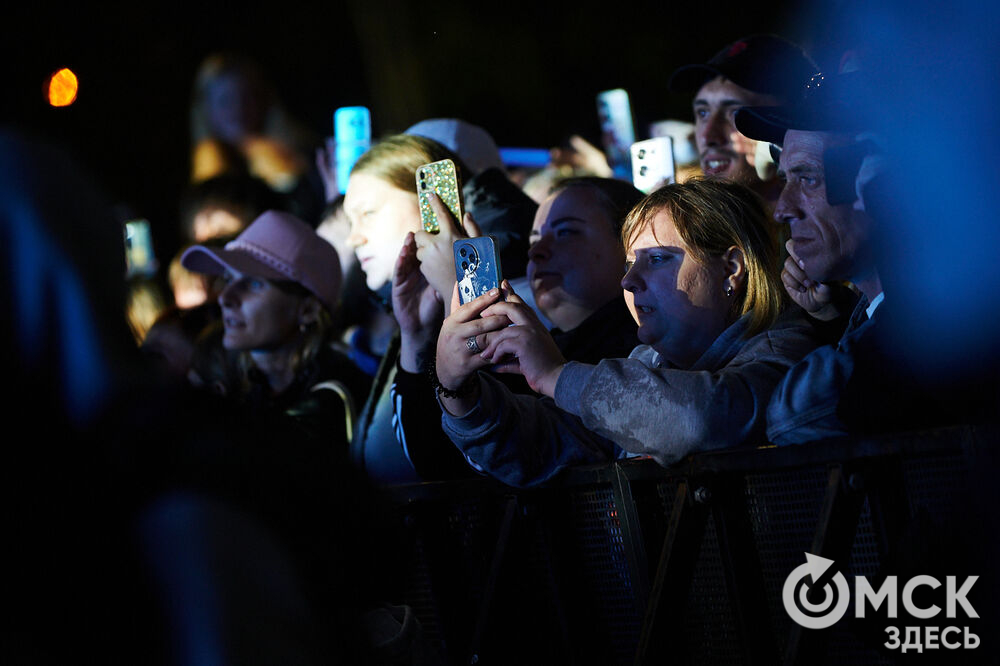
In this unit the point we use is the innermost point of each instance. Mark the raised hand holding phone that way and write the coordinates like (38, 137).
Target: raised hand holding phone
(435, 250)
(441, 179)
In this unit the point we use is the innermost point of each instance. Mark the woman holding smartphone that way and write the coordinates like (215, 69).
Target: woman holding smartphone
(702, 283)
(574, 270)
(382, 207)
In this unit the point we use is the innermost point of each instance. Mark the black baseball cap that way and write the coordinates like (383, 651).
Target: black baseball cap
(761, 63)
(824, 104)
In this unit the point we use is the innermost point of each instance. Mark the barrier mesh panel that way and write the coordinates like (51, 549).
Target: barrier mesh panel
(784, 507)
(709, 629)
(452, 545)
(419, 592)
(846, 646)
(936, 486)
(604, 604)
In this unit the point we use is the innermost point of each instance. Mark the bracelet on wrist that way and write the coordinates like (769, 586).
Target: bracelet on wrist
(464, 390)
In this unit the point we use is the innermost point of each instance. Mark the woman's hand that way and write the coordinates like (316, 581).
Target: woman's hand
(814, 297)
(462, 338)
(417, 307)
(526, 347)
(437, 259)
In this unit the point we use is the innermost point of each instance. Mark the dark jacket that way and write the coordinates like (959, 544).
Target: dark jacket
(505, 212)
(610, 332)
(322, 401)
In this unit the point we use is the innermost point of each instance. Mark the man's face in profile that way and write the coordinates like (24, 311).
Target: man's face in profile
(722, 154)
(832, 242)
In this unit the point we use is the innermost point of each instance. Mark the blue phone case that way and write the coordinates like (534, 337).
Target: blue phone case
(477, 267)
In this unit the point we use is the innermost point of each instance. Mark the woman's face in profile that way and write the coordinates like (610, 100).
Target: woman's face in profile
(381, 215)
(575, 259)
(679, 303)
(258, 315)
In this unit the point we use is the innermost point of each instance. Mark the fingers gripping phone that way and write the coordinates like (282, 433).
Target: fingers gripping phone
(477, 267)
(652, 163)
(440, 177)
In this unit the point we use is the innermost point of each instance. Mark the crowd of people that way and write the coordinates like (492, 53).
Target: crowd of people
(316, 348)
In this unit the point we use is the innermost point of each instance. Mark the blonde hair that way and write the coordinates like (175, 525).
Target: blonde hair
(395, 159)
(712, 216)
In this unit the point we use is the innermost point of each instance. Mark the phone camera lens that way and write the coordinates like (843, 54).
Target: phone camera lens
(642, 153)
(642, 171)
(462, 252)
(465, 265)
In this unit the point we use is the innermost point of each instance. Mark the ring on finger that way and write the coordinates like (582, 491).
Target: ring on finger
(473, 345)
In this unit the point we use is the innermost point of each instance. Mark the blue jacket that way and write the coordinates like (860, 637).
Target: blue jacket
(804, 406)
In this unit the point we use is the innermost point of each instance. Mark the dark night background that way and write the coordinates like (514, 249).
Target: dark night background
(527, 72)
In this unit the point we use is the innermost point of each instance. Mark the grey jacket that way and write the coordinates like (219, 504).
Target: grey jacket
(635, 406)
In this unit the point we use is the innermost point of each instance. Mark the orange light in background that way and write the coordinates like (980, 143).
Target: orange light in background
(62, 88)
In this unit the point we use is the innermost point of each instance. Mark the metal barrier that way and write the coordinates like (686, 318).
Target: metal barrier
(634, 563)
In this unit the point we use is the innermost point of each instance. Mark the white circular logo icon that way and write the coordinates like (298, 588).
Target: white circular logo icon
(801, 581)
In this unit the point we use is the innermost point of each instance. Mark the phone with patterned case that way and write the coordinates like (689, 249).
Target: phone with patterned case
(477, 267)
(440, 177)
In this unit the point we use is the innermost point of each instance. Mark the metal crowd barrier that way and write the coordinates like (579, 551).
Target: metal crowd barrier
(636, 564)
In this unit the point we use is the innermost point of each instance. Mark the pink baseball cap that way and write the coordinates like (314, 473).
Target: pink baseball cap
(276, 246)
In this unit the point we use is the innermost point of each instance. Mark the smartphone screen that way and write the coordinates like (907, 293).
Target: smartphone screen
(614, 112)
(352, 137)
(140, 260)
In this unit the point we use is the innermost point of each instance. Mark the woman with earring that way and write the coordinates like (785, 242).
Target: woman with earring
(702, 282)
(282, 284)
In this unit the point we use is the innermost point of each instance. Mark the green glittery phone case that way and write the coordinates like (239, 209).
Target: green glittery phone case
(439, 177)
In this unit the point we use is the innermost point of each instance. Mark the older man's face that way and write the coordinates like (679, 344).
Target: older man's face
(715, 106)
(833, 242)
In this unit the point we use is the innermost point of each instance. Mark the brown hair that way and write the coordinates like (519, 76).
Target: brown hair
(395, 159)
(617, 197)
(711, 216)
